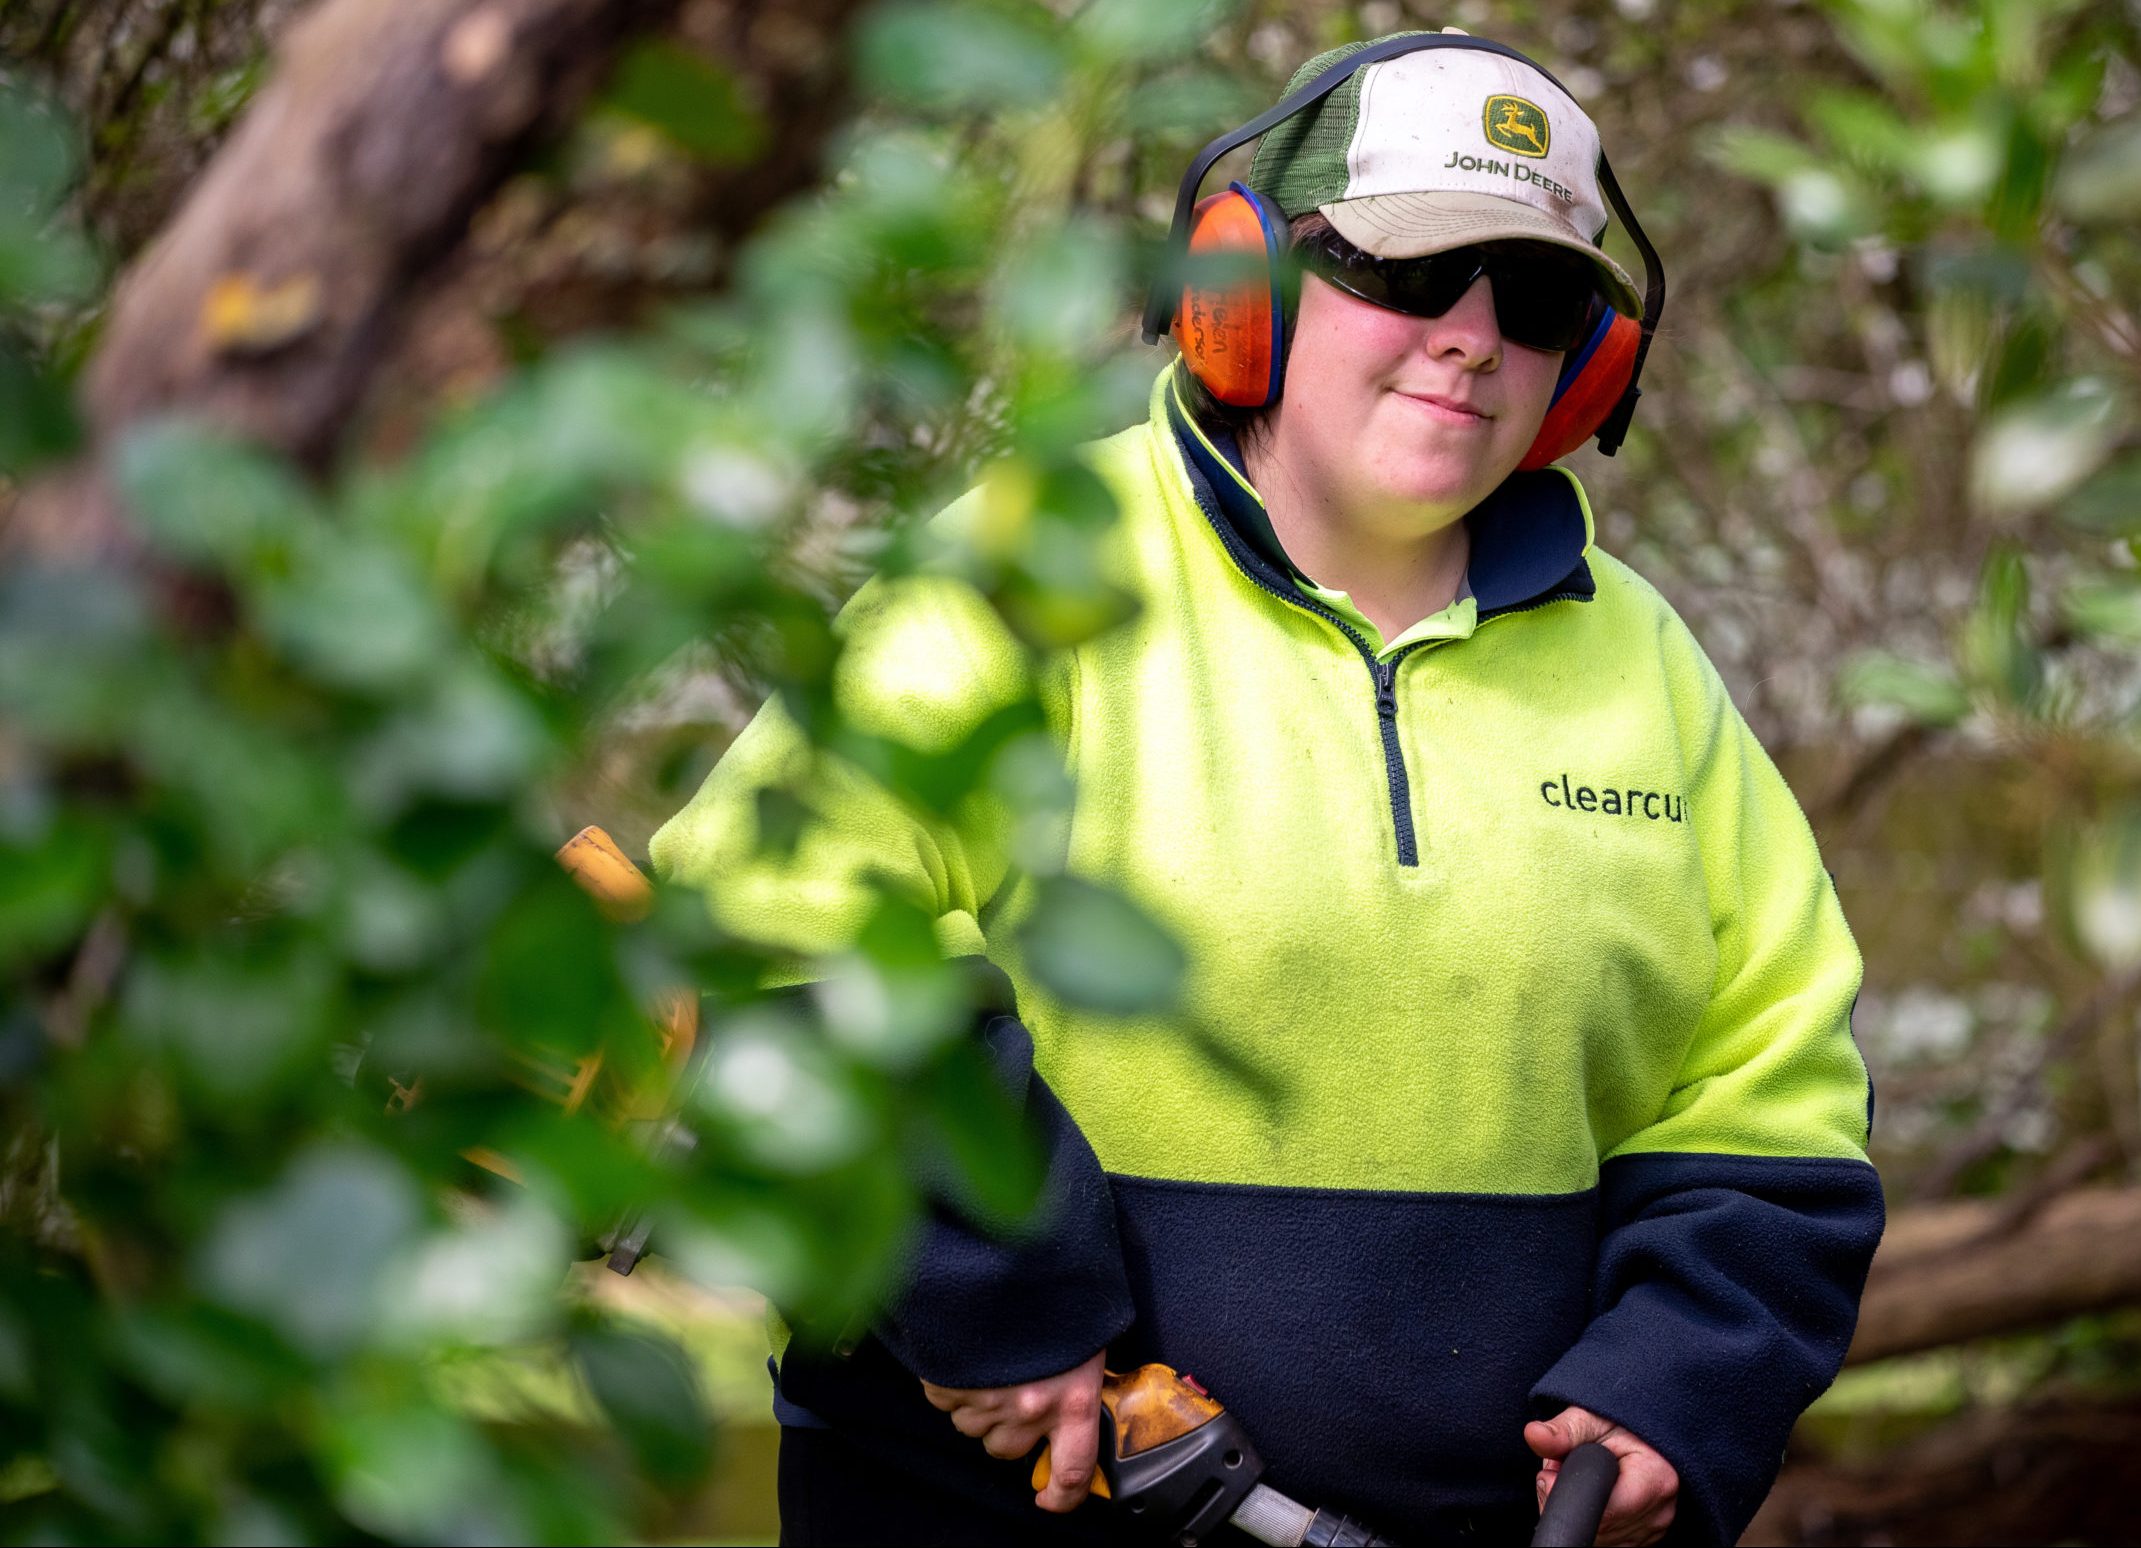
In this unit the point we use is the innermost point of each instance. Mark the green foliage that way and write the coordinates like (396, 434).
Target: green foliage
(277, 820)
(689, 99)
(41, 264)
(1974, 190)
(1927, 694)
(1980, 151)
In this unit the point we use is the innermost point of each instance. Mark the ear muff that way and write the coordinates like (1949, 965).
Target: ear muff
(1592, 381)
(1232, 331)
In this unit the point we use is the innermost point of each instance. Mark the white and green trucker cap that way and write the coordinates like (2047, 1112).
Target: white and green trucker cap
(1439, 149)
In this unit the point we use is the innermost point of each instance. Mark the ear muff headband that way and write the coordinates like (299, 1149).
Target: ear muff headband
(1161, 304)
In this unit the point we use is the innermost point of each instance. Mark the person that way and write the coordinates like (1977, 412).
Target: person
(1510, 1100)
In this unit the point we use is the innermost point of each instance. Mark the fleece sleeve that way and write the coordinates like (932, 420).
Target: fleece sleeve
(1738, 1226)
(925, 662)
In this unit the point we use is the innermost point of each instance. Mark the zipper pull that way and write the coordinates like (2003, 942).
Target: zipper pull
(1386, 689)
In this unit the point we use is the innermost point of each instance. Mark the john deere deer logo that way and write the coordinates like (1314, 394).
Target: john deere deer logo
(1516, 126)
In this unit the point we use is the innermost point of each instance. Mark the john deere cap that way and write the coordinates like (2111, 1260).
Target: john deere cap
(1440, 149)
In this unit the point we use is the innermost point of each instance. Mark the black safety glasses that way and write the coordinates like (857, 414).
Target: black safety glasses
(1543, 295)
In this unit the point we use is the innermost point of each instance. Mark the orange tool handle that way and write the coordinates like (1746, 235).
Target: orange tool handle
(1147, 1407)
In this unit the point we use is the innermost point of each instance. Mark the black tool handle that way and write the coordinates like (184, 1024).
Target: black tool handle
(1578, 1502)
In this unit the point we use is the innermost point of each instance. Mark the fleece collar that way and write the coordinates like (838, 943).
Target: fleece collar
(1529, 536)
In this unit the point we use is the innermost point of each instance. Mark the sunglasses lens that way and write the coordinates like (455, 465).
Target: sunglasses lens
(1428, 287)
(1542, 296)
(1420, 287)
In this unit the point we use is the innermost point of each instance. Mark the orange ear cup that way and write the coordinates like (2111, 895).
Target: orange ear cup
(1230, 332)
(1583, 403)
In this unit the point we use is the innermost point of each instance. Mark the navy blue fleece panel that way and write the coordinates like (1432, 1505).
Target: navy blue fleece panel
(984, 1310)
(1380, 1347)
(1727, 1291)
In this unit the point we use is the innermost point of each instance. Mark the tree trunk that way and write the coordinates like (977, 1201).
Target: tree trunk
(1949, 1272)
(268, 300)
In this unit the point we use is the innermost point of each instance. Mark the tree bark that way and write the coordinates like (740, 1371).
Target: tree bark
(1949, 1272)
(385, 126)
(265, 304)
(333, 212)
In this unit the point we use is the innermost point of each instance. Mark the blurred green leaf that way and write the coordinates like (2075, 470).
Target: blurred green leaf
(38, 156)
(2019, 196)
(547, 980)
(357, 615)
(1997, 653)
(979, 1146)
(894, 1000)
(239, 1025)
(959, 54)
(472, 736)
(1825, 207)
(2100, 180)
(1062, 288)
(779, 1095)
(308, 1255)
(690, 99)
(2110, 502)
(77, 651)
(45, 267)
(1927, 694)
(37, 420)
(1761, 154)
(1187, 102)
(731, 1239)
(2105, 890)
(51, 882)
(2106, 607)
(406, 1469)
(2026, 362)
(649, 1390)
(1131, 31)
(2035, 453)
(1095, 949)
(205, 497)
(38, 261)
(491, 1279)
(1958, 165)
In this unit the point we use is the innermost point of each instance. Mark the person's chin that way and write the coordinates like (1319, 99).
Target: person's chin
(1438, 483)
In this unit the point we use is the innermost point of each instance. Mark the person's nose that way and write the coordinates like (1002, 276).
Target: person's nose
(1468, 334)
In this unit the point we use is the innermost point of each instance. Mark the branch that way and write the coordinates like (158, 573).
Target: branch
(266, 303)
(1948, 1272)
(1866, 777)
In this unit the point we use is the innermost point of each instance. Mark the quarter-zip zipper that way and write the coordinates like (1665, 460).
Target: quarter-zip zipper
(1384, 673)
(1386, 712)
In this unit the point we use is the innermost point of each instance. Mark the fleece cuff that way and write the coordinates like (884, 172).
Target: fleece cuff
(1728, 1289)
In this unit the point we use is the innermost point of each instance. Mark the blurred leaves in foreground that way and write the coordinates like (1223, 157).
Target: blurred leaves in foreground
(277, 808)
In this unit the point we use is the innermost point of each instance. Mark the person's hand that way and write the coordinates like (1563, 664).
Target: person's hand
(1641, 1506)
(1010, 1421)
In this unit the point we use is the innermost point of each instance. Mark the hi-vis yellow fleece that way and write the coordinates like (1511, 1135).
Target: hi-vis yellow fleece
(1541, 989)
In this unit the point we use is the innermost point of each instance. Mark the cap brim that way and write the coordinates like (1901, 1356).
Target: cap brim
(1413, 225)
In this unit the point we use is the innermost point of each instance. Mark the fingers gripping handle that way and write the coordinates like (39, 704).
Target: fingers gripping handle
(1578, 1503)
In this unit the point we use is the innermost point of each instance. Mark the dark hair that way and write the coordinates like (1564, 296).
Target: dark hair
(1243, 422)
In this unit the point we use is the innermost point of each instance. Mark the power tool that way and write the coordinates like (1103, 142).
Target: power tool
(1172, 1458)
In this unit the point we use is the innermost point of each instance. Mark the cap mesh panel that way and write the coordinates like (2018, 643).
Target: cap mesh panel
(1301, 162)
